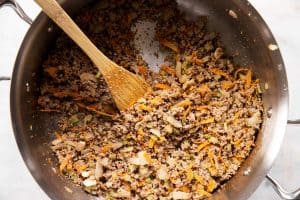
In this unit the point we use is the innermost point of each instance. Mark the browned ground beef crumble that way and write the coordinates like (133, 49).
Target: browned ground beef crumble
(182, 140)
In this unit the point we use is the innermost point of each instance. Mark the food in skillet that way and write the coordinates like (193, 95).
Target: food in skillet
(183, 140)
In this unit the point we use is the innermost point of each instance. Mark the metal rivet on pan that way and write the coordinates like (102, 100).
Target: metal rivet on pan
(27, 87)
(50, 29)
(233, 14)
(285, 88)
(247, 171)
(273, 47)
(280, 67)
(269, 112)
(54, 170)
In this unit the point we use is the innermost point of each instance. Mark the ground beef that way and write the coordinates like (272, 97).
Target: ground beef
(182, 140)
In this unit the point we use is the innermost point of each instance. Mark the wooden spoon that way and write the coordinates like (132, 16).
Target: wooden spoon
(125, 87)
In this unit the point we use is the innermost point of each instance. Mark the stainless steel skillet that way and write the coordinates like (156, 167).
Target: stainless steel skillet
(242, 30)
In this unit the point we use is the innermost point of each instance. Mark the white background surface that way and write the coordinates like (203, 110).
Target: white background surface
(283, 17)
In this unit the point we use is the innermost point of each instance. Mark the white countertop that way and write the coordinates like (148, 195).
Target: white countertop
(283, 17)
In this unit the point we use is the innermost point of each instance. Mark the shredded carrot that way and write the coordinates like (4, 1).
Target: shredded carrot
(198, 61)
(127, 186)
(189, 174)
(201, 146)
(237, 159)
(237, 143)
(202, 108)
(236, 118)
(142, 70)
(156, 101)
(141, 183)
(203, 89)
(58, 136)
(121, 174)
(200, 179)
(171, 189)
(161, 86)
(203, 193)
(184, 189)
(69, 166)
(186, 112)
(80, 168)
(248, 79)
(211, 185)
(162, 139)
(191, 88)
(226, 85)
(152, 142)
(128, 136)
(51, 71)
(65, 162)
(211, 157)
(106, 148)
(147, 157)
(141, 132)
(220, 73)
(207, 121)
(171, 45)
(191, 57)
(173, 180)
(145, 108)
(212, 171)
(216, 103)
(168, 69)
(184, 103)
(93, 109)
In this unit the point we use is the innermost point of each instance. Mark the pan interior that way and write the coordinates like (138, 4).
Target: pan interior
(243, 34)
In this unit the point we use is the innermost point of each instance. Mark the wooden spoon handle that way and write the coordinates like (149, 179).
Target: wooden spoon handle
(64, 21)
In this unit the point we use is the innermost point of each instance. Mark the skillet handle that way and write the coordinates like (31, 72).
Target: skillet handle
(282, 192)
(4, 78)
(296, 121)
(277, 187)
(17, 8)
